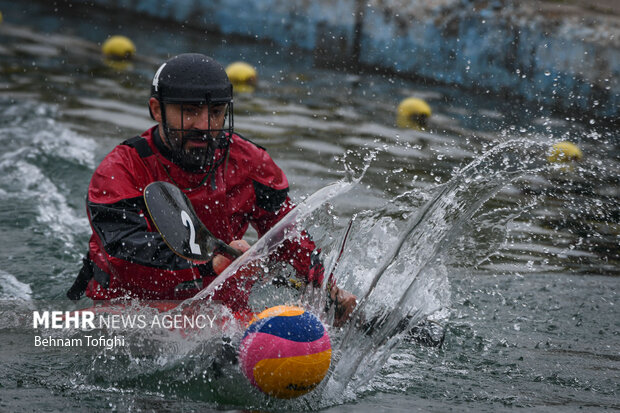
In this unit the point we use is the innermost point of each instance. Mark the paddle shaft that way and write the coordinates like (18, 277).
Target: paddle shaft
(228, 250)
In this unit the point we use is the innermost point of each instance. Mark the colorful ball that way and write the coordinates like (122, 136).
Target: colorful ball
(285, 352)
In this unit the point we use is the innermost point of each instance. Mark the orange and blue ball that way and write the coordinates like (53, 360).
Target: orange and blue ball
(285, 352)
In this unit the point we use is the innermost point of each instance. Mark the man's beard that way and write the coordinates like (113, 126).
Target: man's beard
(194, 159)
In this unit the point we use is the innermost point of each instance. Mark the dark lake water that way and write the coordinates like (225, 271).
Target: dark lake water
(466, 223)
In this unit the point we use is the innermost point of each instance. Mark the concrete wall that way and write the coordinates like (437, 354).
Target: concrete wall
(561, 56)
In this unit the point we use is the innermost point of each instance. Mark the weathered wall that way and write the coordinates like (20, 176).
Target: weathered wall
(557, 55)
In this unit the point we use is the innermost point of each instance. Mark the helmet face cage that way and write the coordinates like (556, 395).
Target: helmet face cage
(190, 80)
(203, 161)
(206, 101)
(224, 132)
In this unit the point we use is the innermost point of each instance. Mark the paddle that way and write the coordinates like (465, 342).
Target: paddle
(182, 230)
(177, 222)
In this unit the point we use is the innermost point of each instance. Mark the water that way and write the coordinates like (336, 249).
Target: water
(465, 223)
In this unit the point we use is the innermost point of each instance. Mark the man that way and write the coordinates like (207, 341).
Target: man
(231, 182)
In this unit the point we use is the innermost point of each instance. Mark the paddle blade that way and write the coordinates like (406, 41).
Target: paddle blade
(178, 223)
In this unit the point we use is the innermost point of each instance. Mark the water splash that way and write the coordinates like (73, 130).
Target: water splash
(407, 284)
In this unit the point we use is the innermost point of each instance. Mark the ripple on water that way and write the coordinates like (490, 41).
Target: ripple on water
(12, 288)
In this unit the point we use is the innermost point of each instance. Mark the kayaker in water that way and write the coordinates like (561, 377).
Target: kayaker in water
(231, 182)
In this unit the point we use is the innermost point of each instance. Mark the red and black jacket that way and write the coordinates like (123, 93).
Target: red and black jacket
(130, 259)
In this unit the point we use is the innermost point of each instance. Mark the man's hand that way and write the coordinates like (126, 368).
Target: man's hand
(344, 302)
(220, 262)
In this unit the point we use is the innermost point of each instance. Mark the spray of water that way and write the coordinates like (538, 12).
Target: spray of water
(402, 288)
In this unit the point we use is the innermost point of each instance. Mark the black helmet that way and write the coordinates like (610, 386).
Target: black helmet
(194, 78)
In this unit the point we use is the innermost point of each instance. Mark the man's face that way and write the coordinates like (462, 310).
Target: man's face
(188, 129)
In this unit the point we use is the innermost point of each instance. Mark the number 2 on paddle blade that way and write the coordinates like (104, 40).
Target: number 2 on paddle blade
(187, 221)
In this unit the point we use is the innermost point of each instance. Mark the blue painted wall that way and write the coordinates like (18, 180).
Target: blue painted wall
(564, 61)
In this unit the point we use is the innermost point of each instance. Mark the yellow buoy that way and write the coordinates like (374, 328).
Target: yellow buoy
(118, 47)
(242, 76)
(413, 113)
(0, 17)
(564, 152)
